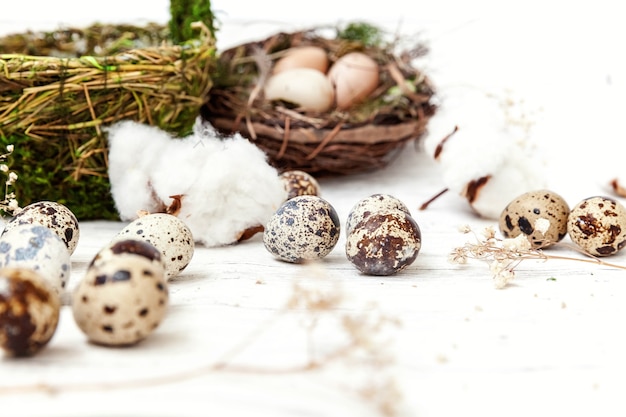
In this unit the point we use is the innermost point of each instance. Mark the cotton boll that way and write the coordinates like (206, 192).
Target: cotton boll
(134, 151)
(481, 152)
(242, 189)
(473, 152)
(492, 194)
(462, 108)
(220, 187)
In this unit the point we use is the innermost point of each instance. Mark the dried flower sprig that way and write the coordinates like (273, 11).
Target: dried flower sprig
(503, 255)
(9, 204)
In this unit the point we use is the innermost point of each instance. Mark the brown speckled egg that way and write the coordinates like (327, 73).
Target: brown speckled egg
(168, 234)
(303, 228)
(384, 243)
(55, 216)
(123, 296)
(598, 225)
(373, 204)
(299, 183)
(29, 311)
(524, 215)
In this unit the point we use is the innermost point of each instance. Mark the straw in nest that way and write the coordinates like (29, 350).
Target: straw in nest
(54, 109)
(324, 144)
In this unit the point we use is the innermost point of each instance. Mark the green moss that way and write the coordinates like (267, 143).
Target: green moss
(184, 13)
(365, 33)
(41, 177)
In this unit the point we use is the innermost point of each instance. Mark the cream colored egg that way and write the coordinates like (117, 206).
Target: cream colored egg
(598, 225)
(122, 298)
(306, 87)
(170, 235)
(312, 57)
(355, 76)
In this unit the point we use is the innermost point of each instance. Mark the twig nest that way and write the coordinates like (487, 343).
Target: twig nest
(304, 228)
(598, 225)
(123, 296)
(53, 215)
(378, 100)
(29, 311)
(540, 215)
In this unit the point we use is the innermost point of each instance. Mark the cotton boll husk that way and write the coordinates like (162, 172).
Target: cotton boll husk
(617, 185)
(134, 150)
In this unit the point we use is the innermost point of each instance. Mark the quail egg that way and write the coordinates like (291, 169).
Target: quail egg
(169, 234)
(299, 183)
(29, 311)
(123, 296)
(384, 242)
(372, 204)
(541, 215)
(55, 216)
(598, 225)
(303, 228)
(38, 248)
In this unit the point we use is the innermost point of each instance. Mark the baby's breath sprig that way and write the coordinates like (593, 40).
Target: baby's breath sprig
(9, 204)
(503, 255)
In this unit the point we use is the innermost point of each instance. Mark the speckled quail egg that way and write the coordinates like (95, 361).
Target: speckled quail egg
(372, 204)
(168, 234)
(303, 228)
(38, 248)
(55, 216)
(122, 298)
(384, 243)
(129, 246)
(598, 225)
(29, 311)
(541, 215)
(299, 183)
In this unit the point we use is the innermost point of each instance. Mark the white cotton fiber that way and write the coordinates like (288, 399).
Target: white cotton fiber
(226, 184)
(472, 139)
(516, 176)
(134, 151)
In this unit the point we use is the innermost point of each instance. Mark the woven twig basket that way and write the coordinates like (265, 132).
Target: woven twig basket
(333, 143)
(59, 90)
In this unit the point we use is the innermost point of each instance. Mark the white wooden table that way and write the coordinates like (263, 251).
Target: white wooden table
(549, 344)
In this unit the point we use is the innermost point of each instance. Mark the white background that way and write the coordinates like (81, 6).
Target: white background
(540, 347)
